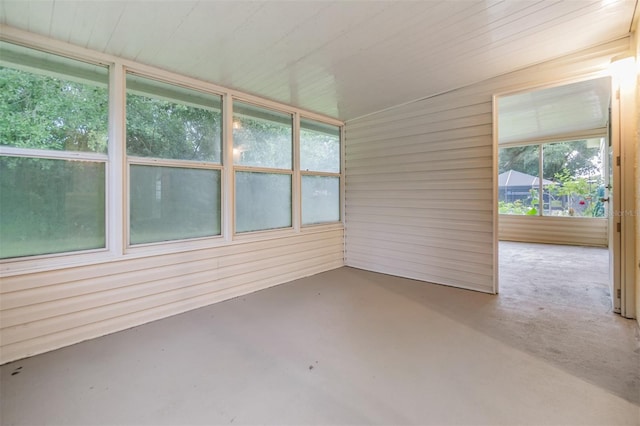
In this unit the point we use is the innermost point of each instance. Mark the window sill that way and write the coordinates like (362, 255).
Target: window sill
(47, 263)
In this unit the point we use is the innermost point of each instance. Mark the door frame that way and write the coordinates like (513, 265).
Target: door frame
(622, 255)
(624, 128)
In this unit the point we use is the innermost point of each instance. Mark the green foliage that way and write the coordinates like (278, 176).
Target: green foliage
(51, 206)
(44, 112)
(164, 129)
(572, 167)
(516, 208)
(574, 156)
(580, 195)
(520, 158)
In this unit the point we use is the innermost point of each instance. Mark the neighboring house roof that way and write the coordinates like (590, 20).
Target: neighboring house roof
(515, 178)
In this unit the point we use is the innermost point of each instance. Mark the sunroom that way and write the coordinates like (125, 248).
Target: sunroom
(157, 158)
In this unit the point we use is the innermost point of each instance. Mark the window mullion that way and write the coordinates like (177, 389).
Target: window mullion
(228, 174)
(296, 190)
(116, 190)
(540, 180)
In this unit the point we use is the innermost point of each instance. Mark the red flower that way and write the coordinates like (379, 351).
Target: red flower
(581, 202)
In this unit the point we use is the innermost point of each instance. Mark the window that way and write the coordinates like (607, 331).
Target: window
(174, 154)
(572, 181)
(320, 169)
(61, 176)
(518, 183)
(53, 136)
(262, 157)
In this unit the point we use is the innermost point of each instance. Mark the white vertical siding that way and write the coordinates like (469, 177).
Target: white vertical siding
(419, 178)
(46, 310)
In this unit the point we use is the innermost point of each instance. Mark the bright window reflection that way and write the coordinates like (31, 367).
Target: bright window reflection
(261, 137)
(319, 147)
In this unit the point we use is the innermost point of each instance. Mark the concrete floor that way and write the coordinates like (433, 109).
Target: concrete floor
(354, 347)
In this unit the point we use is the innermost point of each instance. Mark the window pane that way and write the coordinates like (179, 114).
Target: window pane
(574, 172)
(518, 184)
(261, 137)
(64, 109)
(171, 203)
(263, 201)
(167, 121)
(319, 147)
(50, 206)
(320, 199)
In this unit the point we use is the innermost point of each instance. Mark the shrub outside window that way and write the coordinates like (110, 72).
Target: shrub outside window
(53, 137)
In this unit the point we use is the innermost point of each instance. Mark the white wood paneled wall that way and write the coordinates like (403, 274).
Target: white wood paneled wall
(584, 231)
(47, 310)
(419, 178)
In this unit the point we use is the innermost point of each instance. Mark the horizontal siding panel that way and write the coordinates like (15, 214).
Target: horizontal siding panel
(131, 319)
(197, 286)
(152, 284)
(153, 271)
(417, 253)
(424, 157)
(428, 230)
(448, 133)
(423, 272)
(356, 181)
(478, 205)
(65, 308)
(436, 194)
(419, 222)
(379, 237)
(552, 230)
(465, 164)
(384, 214)
(418, 185)
(414, 145)
(450, 119)
(34, 280)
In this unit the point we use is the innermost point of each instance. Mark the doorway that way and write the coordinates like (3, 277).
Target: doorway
(554, 181)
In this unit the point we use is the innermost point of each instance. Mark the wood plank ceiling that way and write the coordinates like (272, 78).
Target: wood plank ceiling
(343, 59)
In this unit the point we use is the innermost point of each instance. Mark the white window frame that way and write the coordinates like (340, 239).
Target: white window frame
(243, 235)
(133, 160)
(9, 151)
(117, 165)
(338, 174)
